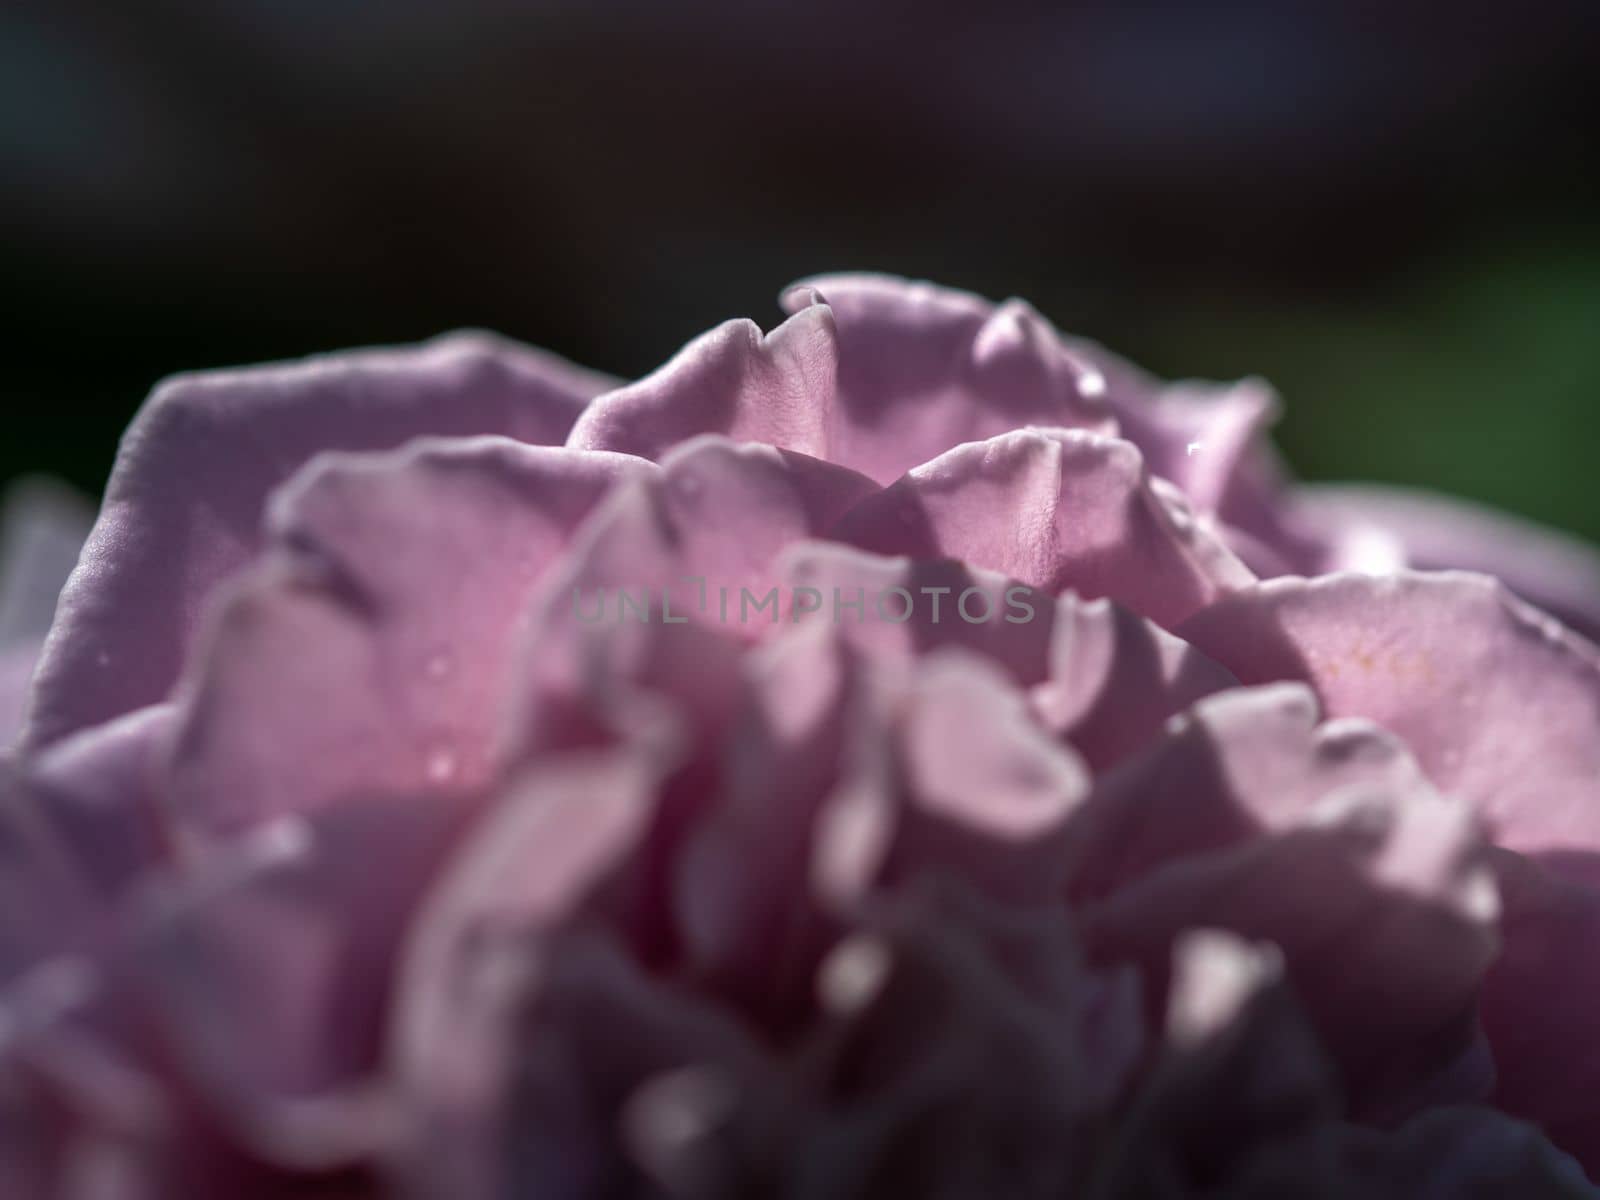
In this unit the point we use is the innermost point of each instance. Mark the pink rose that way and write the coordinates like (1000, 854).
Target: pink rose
(908, 753)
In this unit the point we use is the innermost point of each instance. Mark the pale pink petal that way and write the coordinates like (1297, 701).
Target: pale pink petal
(373, 651)
(923, 369)
(1238, 766)
(902, 608)
(1056, 510)
(183, 507)
(775, 388)
(952, 777)
(1558, 574)
(1500, 704)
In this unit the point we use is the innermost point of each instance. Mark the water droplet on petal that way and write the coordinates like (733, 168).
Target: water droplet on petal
(1091, 384)
(442, 764)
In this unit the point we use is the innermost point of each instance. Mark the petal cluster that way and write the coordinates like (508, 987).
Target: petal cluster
(908, 752)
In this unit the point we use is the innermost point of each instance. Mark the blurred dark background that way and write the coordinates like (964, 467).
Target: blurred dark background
(1390, 209)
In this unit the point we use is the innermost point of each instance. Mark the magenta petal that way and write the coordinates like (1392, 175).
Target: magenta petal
(1558, 574)
(775, 388)
(924, 368)
(183, 507)
(1500, 704)
(373, 651)
(1057, 510)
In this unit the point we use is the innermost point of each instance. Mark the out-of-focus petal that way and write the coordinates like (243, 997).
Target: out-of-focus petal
(42, 528)
(1056, 510)
(1459, 1153)
(1539, 1001)
(373, 651)
(183, 507)
(266, 971)
(1383, 906)
(100, 791)
(1115, 679)
(1236, 767)
(1558, 574)
(1500, 704)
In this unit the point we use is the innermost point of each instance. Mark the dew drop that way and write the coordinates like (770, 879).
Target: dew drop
(442, 765)
(1091, 384)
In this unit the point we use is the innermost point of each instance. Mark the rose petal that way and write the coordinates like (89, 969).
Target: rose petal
(1115, 679)
(1384, 910)
(775, 388)
(1235, 767)
(373, 651)
(1500, 704)
(267, 970)
(901, 608)
(950, 777)
(923, 369)
(1053, 509)
(182, 510)
(1539, 1003)
(99, 790)
(1558, 574)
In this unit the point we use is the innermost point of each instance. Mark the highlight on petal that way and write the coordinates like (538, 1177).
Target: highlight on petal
(182, 510)
(1556, 573)
(1500, 704)
(923, 369)
(1056, 510)
(735, 381)
(1197, 435)
(373, 649)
